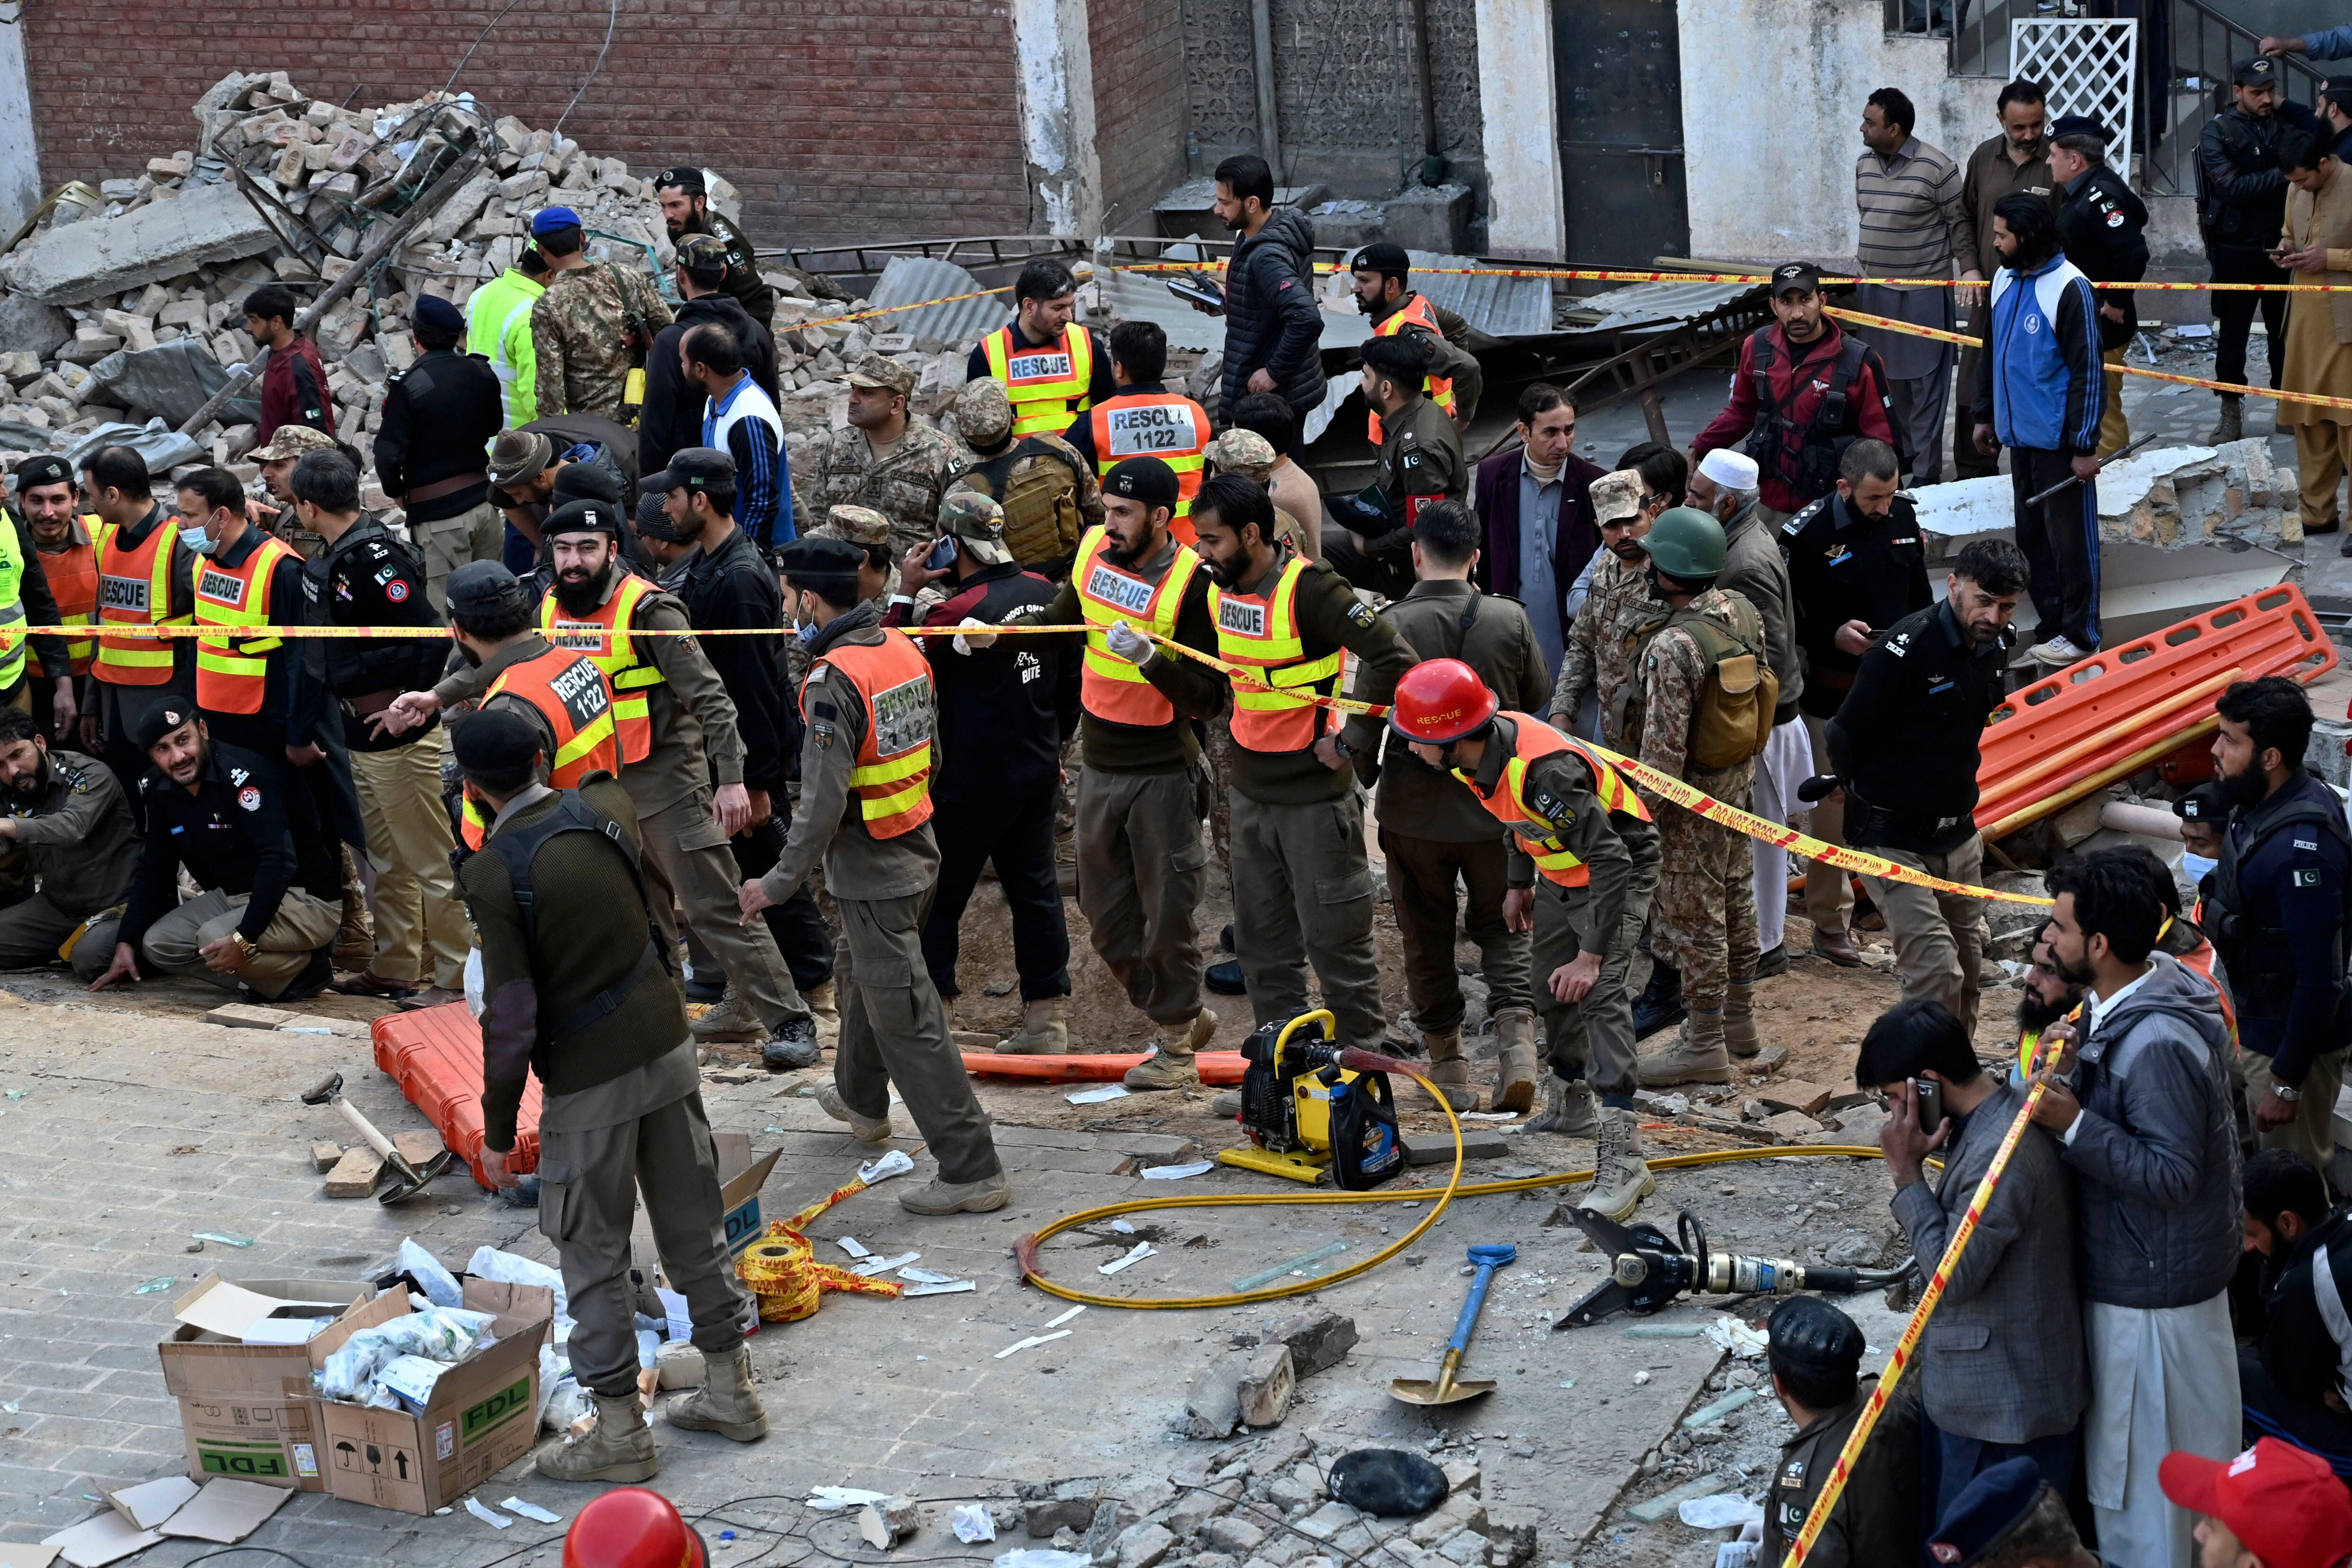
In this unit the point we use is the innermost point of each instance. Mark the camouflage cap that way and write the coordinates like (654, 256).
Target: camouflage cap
(880, 370)
(292, 441)
(979, 523)
(857, 524)
(1243, 452)
(984, 412)
(702, 252)
(1617, 496)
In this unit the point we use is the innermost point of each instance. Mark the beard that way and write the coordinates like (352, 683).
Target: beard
(2073, 974)
(582, 595)
(35, 783)
(2034, 1014)
(2242, 790)
(1118, 555)
(1226, 577)
(698, 224)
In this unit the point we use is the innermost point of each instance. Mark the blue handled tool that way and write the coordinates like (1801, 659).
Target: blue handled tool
(1447, 1388)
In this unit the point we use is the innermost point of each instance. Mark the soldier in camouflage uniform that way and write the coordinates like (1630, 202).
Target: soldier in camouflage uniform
(585, 329)
(1050, 493)
(1703, 922)
(886, 459)
(1600, 657)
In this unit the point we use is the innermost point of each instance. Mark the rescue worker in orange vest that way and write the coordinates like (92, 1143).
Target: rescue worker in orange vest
(1052, 369)
(251, 690)
(866, 811)
(62, 543)
(1583, 852)
(1302, 877)
(1146, 419)
(146, 577)
(1382, 272)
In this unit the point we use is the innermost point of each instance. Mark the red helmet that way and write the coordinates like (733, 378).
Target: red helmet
(630, 1526)
(1439, 701)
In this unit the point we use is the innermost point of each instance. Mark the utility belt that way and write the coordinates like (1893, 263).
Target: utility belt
(447, 486)
(1869, 827)
(368, 704)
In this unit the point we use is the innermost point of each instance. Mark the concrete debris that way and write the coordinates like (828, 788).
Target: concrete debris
(77, 262)
(1318, 1337)
(2167, 498)
(1267, 1383)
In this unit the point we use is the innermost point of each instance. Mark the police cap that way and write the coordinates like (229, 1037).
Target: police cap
(1799, 274)
(827, 566)
(1808, 1335)
(431, 310)
(161, 720)
(495, 741)
(2078, 125)
(1987, 1509)
(694, 468)
(482, 589)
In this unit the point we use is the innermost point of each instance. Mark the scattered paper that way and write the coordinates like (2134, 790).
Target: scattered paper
(1729, 1333)
(1177, 1173)
(1125, 1227)
(226, 1512)
(284, 1331)
(1033, 1339)
(1142, 1250)
(832, 1500)
(96, 1542)
(1038, 1557)
(1748, 1553)
(1724, 1510)
(851, 1246)
(896, 1163)
(925, 1277)
(148, 1505)
(489, 1516)
(1057, 1322)
(883, 1265)
(972, 1523)
(24, 1554)
(948, 1288)
(530, 1511)
(1098, 1096)
(1488, 1115)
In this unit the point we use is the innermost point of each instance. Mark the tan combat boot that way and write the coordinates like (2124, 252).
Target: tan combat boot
(864, 1129)
(1740, 1019)
(1045, 1030)
(1448, 1071)
(1515, 1072)
(1172, 1066)
(621, 1449)
(725, 1403)
(826, 1010)
(1568, 1109)
(730, 1019)
(942, 1196)
(355, 932)
(1697, 1056)
(1620, 1177)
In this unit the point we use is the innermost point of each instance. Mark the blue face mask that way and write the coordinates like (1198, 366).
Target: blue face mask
(2195, 867)
(807, 632)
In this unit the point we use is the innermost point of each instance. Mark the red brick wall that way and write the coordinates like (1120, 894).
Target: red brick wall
(1139, 60)
(838, 120)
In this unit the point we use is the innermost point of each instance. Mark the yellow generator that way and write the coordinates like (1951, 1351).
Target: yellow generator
(1307, 1114)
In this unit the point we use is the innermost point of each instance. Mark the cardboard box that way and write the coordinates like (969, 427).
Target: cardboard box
(247, 1411)
(740, 1178)
(481, 1418)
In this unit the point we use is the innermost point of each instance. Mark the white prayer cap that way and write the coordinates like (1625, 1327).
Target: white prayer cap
(1732, 470)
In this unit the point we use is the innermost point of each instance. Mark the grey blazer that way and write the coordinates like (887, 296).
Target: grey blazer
(2002, 1360)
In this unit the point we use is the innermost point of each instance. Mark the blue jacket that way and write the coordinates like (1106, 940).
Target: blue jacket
(2042, 385)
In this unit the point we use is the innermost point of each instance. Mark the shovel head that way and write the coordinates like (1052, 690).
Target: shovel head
(1439, 1391)
(404, 1186)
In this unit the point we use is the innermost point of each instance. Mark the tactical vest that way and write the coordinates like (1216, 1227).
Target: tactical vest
(604, 637)
(891, 778)
(1048, 385)
(1041, 520)
(1439, 389)
(1538, 833)
(232, 671)
(1109, 688)
(1804, 458)
(2260, 964)
(1260, 633)
(1731, 721)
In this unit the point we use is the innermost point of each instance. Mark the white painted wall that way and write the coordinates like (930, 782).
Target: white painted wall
(1519, 105)
(1772, 98)
(1055, 57)
(20, 171)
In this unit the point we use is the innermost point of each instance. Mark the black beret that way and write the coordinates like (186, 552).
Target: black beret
(1147, 479)
(1809, 1335)
(161, 720)
(582, 517)
(495, 741)
(585, 482)
(2203, 803)
(45, 470)
(686, 177)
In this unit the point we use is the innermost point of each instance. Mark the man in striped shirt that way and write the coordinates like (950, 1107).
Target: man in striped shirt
(740, 421)
(1912, 220)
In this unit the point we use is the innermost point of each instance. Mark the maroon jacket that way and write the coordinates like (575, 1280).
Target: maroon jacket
(294, 391)
(1495, 497)
(1732, 427)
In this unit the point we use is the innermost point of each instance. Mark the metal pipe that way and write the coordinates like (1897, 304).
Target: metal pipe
(1269, 129)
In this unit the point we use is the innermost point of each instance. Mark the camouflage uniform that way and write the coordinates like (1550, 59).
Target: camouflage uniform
(295, 441)
(904, 487)
(579, 328)
(1601, 647)
(1704, 920)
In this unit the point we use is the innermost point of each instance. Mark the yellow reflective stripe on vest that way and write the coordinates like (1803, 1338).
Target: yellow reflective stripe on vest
(242, 656)
(1157, 615)
(1043, 403)
(914, 764)
(13, 567)
(1268, 659)
(599, 730)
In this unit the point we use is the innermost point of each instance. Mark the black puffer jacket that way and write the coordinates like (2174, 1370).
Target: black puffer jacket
(1272, 321)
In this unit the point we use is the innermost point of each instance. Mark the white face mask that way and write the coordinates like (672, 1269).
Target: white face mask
(2195, 867)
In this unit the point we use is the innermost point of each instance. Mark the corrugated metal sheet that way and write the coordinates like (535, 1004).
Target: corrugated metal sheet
(1637, 304)
(909, 279)
(1502, 307)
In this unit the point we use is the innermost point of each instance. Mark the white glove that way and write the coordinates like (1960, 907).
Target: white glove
(974, 634)
(1130, 644)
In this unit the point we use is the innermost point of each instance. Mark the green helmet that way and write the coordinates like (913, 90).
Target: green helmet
(1685, 544)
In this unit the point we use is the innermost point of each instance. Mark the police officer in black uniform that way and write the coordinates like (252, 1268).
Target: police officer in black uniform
(685, 210)
(2241, 209)
(440, 415)
(2278, 915)
(2101, 226)
(1815, 1354)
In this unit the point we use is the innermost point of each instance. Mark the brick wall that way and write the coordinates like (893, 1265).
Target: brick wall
(838, 120)
(1140, 108)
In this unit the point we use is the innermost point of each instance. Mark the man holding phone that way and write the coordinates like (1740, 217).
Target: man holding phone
(2002, 1375)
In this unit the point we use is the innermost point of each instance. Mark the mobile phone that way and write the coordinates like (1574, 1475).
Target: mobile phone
(941, 557)
(1931, 1104)
(1199, 291)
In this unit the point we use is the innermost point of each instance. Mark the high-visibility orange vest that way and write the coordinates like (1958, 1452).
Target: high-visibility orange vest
(891, 777)
(232, 672)
(1538, 834)
(604, 637)
(569, 692)
(1168, 426)
(134, 589)
(1414, 312)
(1260, 633)
(1048, 386)
(1108, 687)
(72, 576)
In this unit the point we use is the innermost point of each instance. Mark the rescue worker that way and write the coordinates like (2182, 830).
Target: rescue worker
(1382, 273)
(61, 540)
(1421, 461)
(2281, 915)
(593, 327)
(2102, 228)
(265, 923)
(577, 991)
(685, 196)
(68, 848)
(498, 328)
(1144, 419)
(1302, 880)
(1048, 489)
(1705, 908)
(1433, 834)
(1051, 368)
(249, 686)
(1814, 1351)
(366, 577)
(26, 599)
(440, 415)
(1574, 823)
(884, 457)
(145, 577)
(866, 809)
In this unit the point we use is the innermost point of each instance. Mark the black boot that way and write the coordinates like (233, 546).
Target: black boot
(1661, 1004)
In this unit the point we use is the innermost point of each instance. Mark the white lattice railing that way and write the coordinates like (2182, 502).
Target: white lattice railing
(2087, 65)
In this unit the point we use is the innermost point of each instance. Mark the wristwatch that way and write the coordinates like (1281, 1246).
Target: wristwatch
(245, 947)
(1339, 744)
(2286, 1093)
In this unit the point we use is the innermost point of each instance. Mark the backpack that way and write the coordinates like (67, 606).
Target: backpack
(1732, 722)
(1041, 511)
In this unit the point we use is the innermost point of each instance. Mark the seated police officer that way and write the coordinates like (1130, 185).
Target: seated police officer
(260, 927)
(70, 847)
(1815, 1354)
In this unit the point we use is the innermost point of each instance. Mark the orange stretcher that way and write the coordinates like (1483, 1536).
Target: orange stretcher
(2129, 707)
(1218, 1067)
(436, 1056)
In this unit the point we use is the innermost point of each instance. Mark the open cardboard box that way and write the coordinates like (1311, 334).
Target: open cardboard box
(247, 1411)
(481, 1418)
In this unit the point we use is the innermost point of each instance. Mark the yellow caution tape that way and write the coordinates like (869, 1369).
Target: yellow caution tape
(1620, 274)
